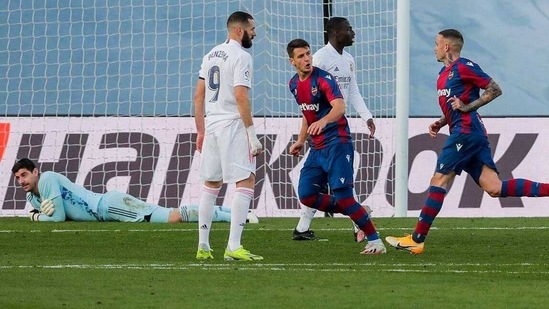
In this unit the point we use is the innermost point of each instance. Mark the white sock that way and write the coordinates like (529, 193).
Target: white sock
(205, 216)
(239, 211)
(376, 241)
(307, 214)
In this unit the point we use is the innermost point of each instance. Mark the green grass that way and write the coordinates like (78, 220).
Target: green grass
(468, 263)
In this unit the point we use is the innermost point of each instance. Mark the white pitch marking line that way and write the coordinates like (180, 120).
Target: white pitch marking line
(284, 267)
(268, 229)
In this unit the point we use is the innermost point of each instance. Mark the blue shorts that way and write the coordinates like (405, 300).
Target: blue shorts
(465, 152)
(332, 164)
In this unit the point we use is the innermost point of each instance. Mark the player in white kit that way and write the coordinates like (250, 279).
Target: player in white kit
(226, 136)
(341, 65)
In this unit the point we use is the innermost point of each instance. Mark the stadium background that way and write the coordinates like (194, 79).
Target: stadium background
(505, 37)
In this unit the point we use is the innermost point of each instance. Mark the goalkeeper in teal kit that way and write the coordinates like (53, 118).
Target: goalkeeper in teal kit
(55, 198)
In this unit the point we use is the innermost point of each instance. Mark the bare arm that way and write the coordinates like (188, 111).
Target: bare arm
(491, 92)
(338, 110)
(303, 135)
(435, 126)
(199, 112)
(243, 102)
(442, 121)
(296, 147)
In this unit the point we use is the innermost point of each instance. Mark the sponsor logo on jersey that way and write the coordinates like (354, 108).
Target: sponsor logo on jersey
(342, 179)
(444, 92)
(458, 146)
(469, 63)
(336, 69)
(309, 107)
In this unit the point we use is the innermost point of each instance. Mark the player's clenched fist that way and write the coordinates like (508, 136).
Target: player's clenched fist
(434, 128)
(47, 207)
(296, 148)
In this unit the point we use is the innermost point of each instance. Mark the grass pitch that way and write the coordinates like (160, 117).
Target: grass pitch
(467, 263)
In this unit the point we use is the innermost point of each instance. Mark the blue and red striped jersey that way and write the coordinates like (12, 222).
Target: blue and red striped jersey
(313, 95)
(463, 79)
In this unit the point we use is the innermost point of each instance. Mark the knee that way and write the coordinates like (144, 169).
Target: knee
(308, 200)
(213, 184)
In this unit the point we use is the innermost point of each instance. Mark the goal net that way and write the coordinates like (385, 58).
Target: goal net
(101, 91)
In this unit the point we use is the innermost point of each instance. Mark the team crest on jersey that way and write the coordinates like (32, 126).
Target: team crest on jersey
(314, 91)
(351, 67)
(451, 74)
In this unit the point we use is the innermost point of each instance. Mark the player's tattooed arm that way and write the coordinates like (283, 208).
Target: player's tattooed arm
(435, 126)
(442, 121)
(491, 92)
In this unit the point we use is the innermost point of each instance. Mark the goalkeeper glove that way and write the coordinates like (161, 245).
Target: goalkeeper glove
(254, 142)
(34, 214)
(47, 207)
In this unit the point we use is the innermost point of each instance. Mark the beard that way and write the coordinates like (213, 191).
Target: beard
(246, 40)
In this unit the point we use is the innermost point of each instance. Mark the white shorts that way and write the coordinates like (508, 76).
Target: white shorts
(226, 154)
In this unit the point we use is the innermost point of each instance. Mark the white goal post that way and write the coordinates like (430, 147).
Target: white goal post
(102, 91)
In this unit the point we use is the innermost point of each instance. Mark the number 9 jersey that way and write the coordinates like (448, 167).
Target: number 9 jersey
(226, 66)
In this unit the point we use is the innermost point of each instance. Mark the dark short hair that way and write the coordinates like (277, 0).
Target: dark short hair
(296, 43)
(25, 163)
(239, 17)
(453, 34)
(335, 23)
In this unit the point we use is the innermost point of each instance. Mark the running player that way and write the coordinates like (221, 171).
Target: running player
(467, 148)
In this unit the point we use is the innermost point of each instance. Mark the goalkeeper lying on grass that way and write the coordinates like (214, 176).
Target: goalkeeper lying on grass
(55, 198)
